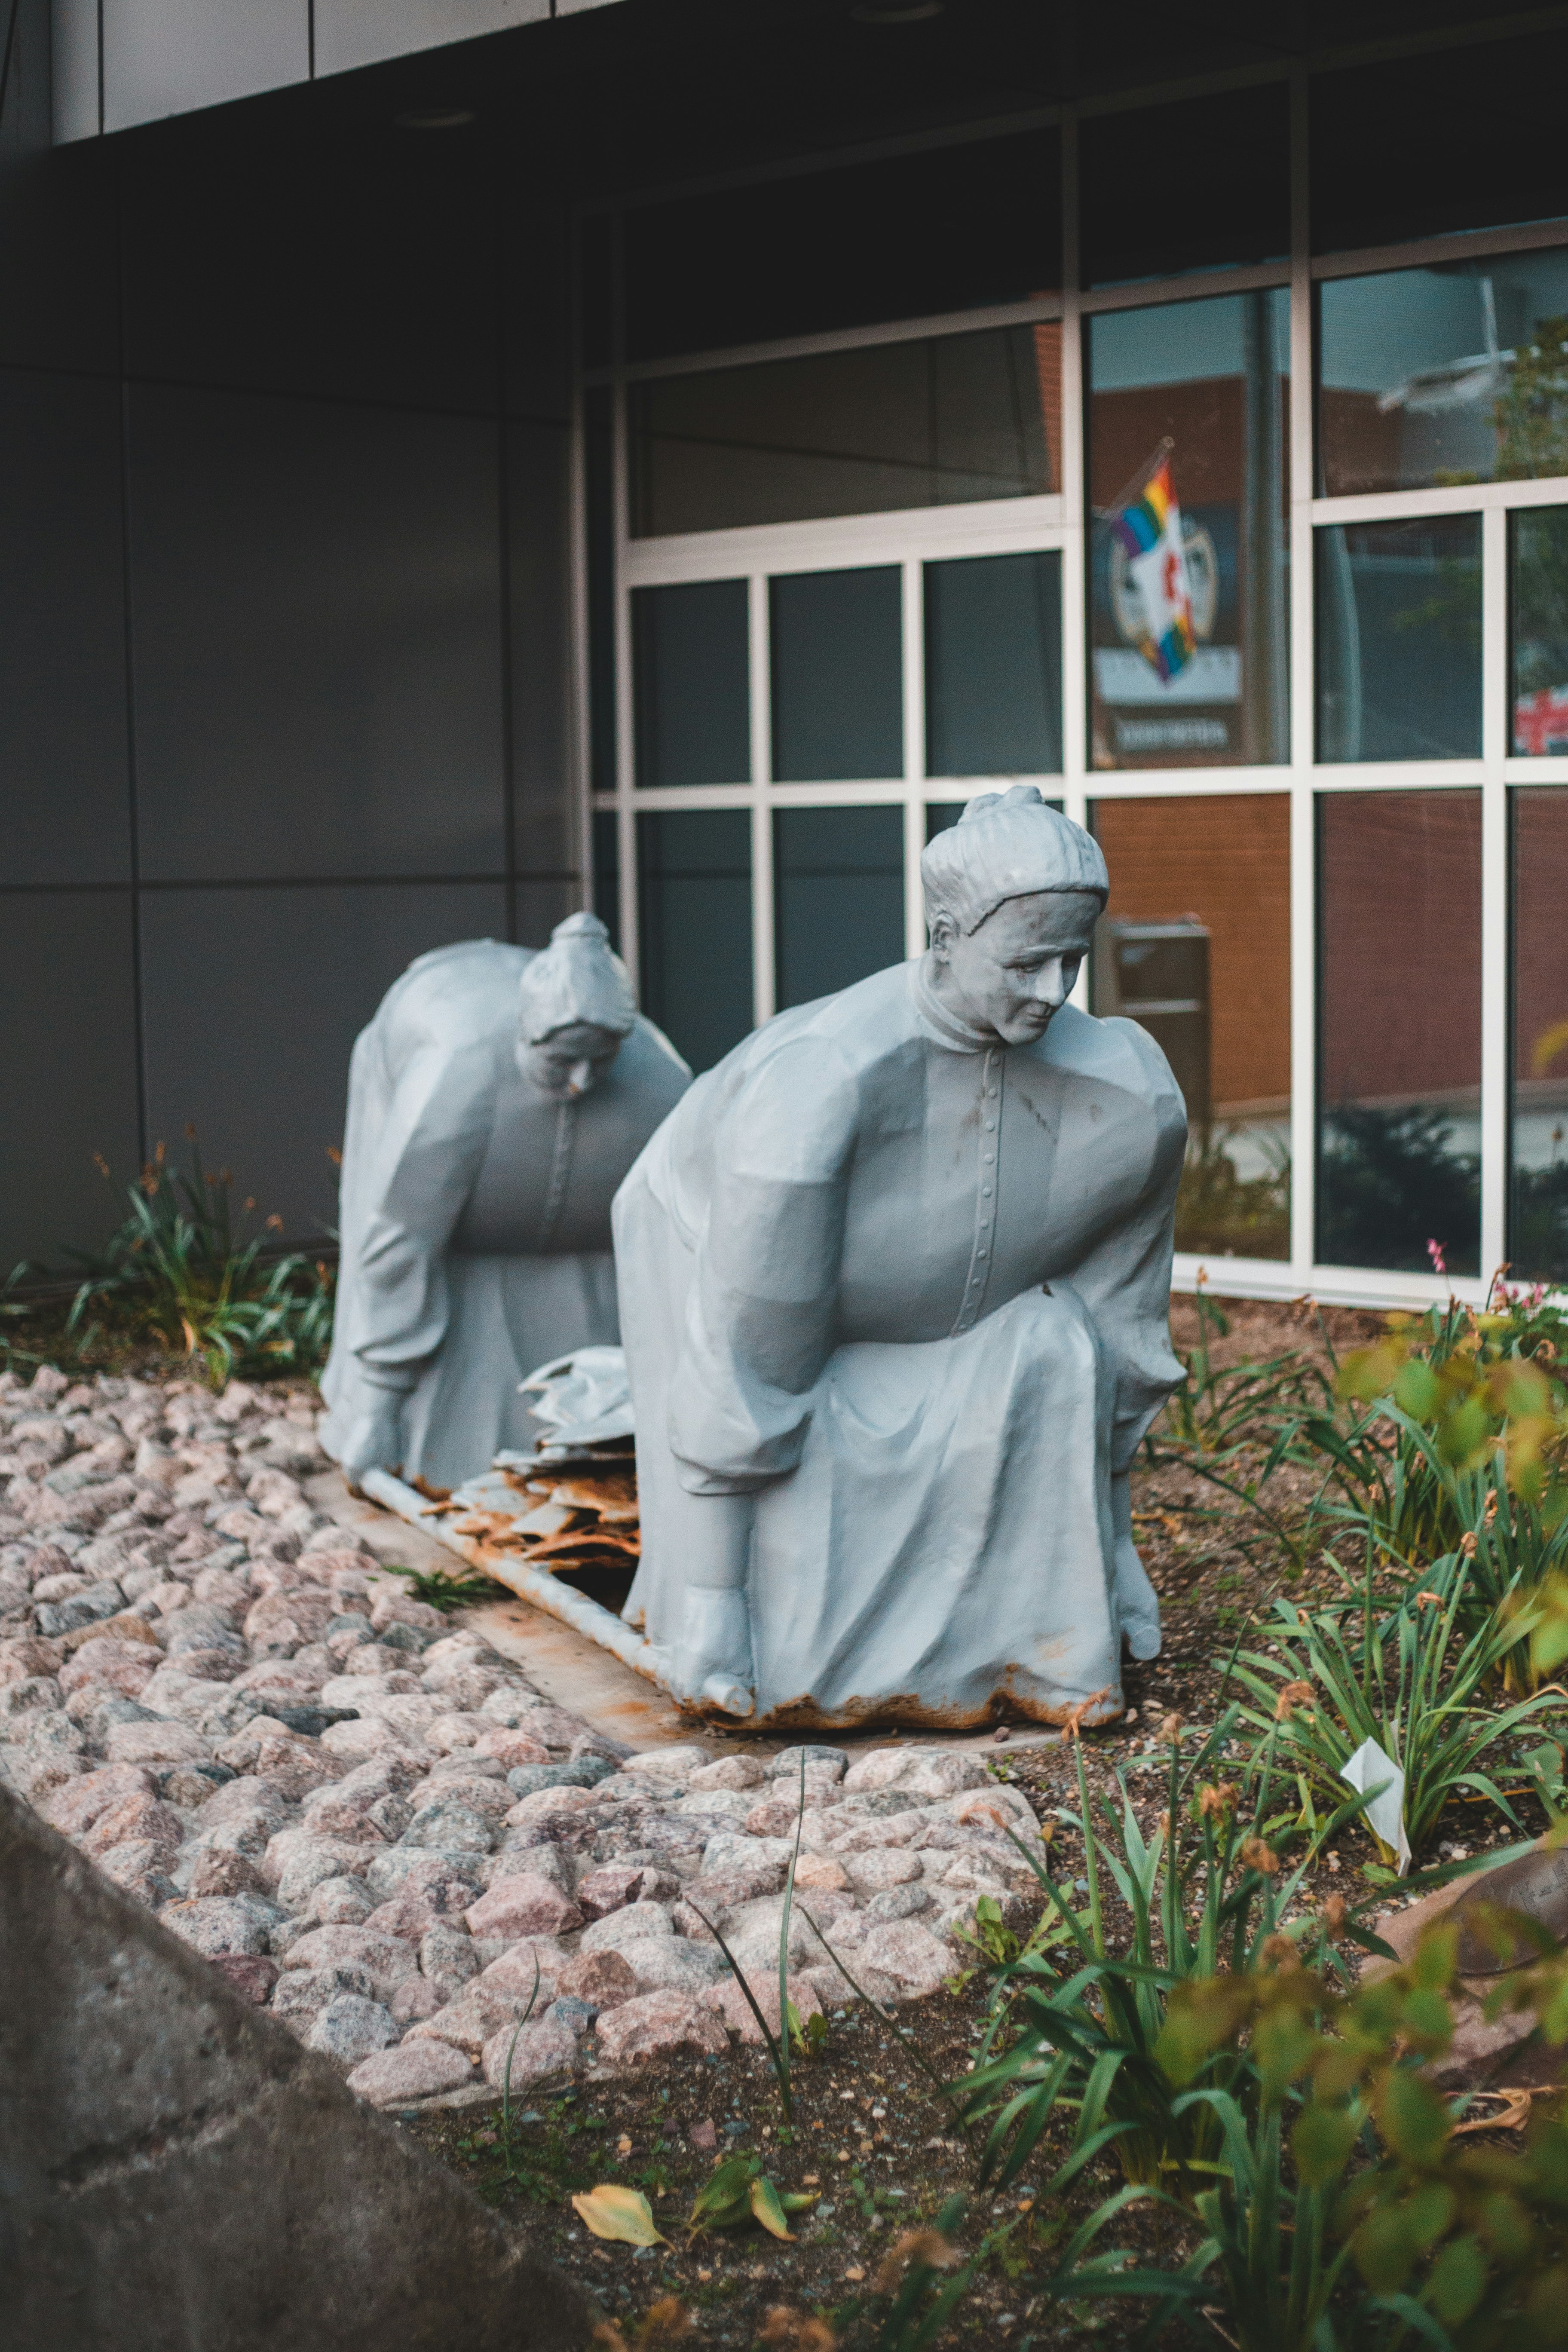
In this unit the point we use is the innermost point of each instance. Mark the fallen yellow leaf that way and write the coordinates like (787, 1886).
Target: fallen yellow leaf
(624, 2214)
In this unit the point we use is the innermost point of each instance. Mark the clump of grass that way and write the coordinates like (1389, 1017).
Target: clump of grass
(440, 1591)
(184, 1273)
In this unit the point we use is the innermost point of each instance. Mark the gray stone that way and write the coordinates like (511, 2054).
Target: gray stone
(415, 2069)
(349, 2029)
(898, 1902)
(576, 2016)
(448, 1881)
(305, 1992)
(218, 1923)
(450, 1827)
(786, 1764)
(583, 1772)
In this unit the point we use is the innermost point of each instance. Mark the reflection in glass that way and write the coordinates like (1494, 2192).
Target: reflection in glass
(1399, 945)
(1538, 606)
(837, 675)
(691, 690)
(607, 873)
(993, 665)
(940, 422)
(1188, 421)
(694, 916)
(1399, 640)
(1456, 373)
(1196, 946)
(1538, 1223)
(838, 898)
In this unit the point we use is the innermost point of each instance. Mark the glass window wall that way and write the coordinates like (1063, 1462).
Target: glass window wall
(1454, 373)
(942, 421)
(838, 898)
(694, 922)
(1538, 609)
(1194, 945)
(1399, 993)
(836, 643)
(1189, 462)
(939, 620)
(1538, 1223)
(690, 656)
(993, 665)
(1399, 640)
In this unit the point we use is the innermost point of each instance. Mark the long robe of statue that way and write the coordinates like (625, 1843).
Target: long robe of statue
(904, 1285)
(495, 1102)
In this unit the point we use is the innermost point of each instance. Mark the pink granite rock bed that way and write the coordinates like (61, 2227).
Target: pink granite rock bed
(373, 1823)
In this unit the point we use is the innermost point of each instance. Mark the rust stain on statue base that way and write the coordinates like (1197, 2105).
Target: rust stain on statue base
(904, 1710)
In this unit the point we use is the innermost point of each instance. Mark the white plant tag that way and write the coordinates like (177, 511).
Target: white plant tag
(1367, 1769)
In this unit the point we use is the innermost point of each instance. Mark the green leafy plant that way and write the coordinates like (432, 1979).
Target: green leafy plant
(1206, 1891)
(1223, 1424)
(1347, 2208)
(1407, 1675)
(739, 2190)
(179, 1268)
(1408, 1451)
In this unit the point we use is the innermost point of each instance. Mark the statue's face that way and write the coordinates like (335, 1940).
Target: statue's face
(1018, 968)
(570, 1061)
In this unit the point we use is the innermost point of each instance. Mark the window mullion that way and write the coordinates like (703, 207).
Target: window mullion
(1495, 701)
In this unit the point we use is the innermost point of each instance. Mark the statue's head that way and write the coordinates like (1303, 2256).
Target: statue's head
(575, 1008)
(1013, 892)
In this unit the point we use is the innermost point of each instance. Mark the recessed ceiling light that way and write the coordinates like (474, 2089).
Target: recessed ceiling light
(895, 12)
(435, 118)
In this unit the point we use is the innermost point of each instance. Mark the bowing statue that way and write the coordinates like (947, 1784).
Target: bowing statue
(894, 1285)
(495, 1103)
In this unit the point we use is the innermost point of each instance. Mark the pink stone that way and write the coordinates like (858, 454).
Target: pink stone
(251, 1974)
(728, 2001)
(156, 1743)
(604, 1978)
(140, 1817)
(480, 2012)
(514, 1971)
(660, 2025)
(525, 1905)
(78, 1806)
(883, 1866)
(918, 1961)
(608, 1888)
(516, 2058)
(415, 2070)
(415, 2000)
(108, 1664)
(821, 1870)
(388, 1961)
(508, 1748)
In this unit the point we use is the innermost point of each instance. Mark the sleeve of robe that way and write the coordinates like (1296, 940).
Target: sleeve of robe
(417, 1170)
(1125, 1279)
(761, 1316)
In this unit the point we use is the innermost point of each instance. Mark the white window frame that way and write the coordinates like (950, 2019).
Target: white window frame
(911, 538)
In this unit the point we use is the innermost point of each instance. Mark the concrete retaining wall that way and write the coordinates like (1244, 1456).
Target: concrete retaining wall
(178, 2175)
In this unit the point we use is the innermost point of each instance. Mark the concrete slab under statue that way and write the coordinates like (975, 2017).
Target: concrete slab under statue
(894, 1283)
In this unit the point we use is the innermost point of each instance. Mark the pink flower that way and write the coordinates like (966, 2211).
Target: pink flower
(1435, 1252)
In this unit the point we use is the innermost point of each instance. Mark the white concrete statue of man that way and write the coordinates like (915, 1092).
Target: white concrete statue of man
(895, 1280)
(495, 1103)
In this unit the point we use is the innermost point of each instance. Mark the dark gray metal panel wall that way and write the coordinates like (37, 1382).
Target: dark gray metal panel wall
(284, 623)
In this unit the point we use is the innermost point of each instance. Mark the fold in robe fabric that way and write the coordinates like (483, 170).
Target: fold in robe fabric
(475, 1210)
(909, 1288)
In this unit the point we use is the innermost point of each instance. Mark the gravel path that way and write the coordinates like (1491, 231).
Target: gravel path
(374, 1825)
